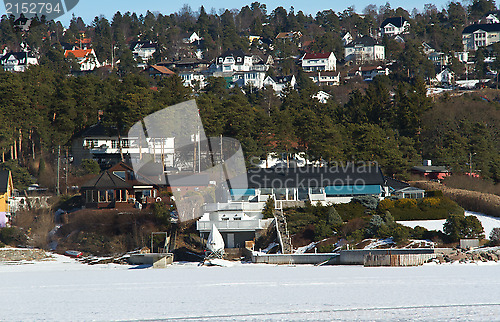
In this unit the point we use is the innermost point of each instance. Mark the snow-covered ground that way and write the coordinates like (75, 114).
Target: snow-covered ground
(65, 290)
(488, 223)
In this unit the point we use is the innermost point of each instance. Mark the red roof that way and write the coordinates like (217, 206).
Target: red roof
(316, 56)
(79, 53)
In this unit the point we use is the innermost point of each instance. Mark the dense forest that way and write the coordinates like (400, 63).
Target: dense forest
(390, 120)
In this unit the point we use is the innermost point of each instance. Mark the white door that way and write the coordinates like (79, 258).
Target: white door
(230, 240)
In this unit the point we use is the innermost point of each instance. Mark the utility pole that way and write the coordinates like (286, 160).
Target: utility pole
(58, 191)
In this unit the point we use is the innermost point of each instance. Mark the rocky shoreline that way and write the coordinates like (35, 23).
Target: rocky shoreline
(23, 254)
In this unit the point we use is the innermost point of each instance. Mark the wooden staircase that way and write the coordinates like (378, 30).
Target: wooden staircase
(282, 231)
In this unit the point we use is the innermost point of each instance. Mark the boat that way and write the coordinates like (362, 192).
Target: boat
(73, 253)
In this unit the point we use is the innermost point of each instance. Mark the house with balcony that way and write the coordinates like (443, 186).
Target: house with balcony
(312, 62)
(363, 50)
(158, 71)
(480, 35)
(108, 148)
(233, 61)
(325, 78)
(394, 26)
(240, 219)
(18, 62)
(143, 49)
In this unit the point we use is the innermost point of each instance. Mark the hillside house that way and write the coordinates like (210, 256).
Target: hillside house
(233, 61)
(18, 62)
(480, 35)
(86, 58)
(118, 187)
(158, 71)
(363, 50)
(278, 83)
(322, 97)
(191, 78)
(6, 192)
(190, 38)
(325, 78)
(103, 145)
(143, 49)
(394, 26)
(240, 219)
(431, 172)
(368, 72)
(312, 62)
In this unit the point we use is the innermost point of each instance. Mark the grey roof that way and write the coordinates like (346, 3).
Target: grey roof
(489, 27)
(313, 177)
(99, 130)
(365, 41)
(4, 181)
(430, 169)
(235, 53)
(106, 180)
(395, 21)
(396, 184)
(410, 190)
(18, 55)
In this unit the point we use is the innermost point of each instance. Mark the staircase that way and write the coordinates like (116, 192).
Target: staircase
(282, 231)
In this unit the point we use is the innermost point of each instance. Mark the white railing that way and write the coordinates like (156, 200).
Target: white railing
(232, 225)
(234, 206)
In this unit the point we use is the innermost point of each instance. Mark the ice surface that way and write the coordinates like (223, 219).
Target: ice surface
(65, 290)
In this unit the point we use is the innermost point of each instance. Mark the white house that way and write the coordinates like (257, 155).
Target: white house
(192, 78)
(480, 35)
(445, 77)
(86, 58)
(369, 72)
(394, 26)
(18, 62)
(347, 38)
(439, 58)
(233, 61)
(364, 49)
(103, 145)
(249, 78)
(191, 38)
(278, 83)
(462, 56)
(322, 97)
(327, 78)
(143, 49)
(491, 18)
(319, 62)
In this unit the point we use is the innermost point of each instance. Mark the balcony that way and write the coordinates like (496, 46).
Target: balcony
(233, 225)
(234, 206)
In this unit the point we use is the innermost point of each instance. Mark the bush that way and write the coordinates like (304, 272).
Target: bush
(268, 211)
(369, 202)
(460, 226)
(88, 166)
(13, 236)
(162, 215)
(495, 236)
(420, 209)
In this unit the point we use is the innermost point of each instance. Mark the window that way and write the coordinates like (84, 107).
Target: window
(102, 195)
(114, 144)
(91, 143)
(146, 193)
(111, 195)
(238, 59)
(120, 174)
(125, 143)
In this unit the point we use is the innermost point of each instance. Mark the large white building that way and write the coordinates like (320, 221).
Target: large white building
(105, 146)
(18, 62)
(312, 62)
(364, 49)
(86, 58)
(233, 61)
(480, 35)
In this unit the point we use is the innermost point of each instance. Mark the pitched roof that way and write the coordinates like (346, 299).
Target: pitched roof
(18, 55)
(99, 130)
(313, 177)
(396, 184)
(4, 180)
(161, 69)
(142, 44)
(317, 55)
(106, 180)
(395, 21)
(234, 53)
(489, 27)
(365, 41)
(78, 53)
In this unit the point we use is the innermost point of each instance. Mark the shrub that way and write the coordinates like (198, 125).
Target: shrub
(351, 210)
(13, 236)
(369, 202)
(268, 211)
(88, 166)
(162, 215)
(495, 236)
(460, 226)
